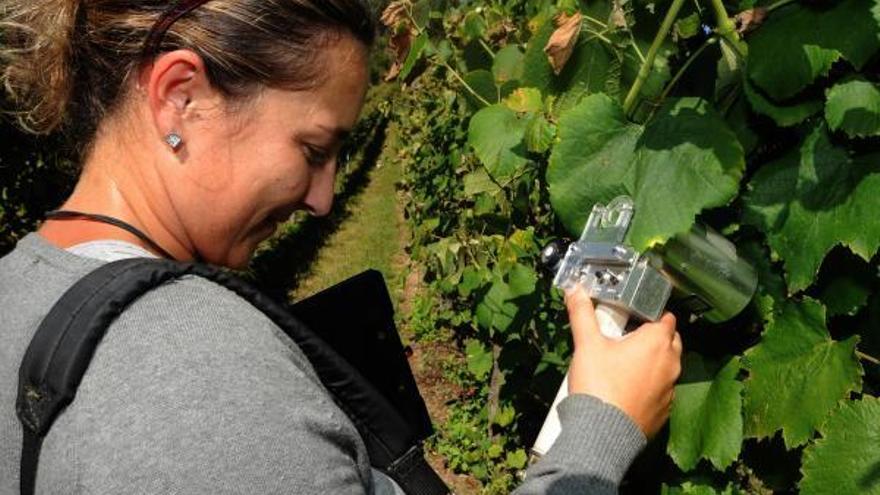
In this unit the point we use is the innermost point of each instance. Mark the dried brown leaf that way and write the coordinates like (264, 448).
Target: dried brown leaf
(395, 13)
(562, 42)
(399, 44)
(618, 15)
(749, 20)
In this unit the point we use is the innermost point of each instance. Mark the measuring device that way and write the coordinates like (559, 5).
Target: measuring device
(698, 272)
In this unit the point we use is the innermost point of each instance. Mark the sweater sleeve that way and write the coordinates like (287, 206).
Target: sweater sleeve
(597, 444)
(193, 390)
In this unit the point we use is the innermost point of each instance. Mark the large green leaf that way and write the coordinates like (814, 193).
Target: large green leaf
(797, 374)
(496, 134)
(854, 108)
(503, 304)
(847, 457)
(812, 199)
(797, 44)
(706, 417)
(684, 161)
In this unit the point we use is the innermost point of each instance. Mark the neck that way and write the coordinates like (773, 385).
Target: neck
(119, 185)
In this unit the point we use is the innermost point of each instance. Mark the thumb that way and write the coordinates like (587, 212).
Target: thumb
(582, 315)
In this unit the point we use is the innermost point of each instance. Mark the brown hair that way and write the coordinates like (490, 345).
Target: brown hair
(66, 62)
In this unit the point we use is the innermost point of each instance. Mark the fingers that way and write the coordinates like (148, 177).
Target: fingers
(582, 316)
(667, 323)
(677, 346)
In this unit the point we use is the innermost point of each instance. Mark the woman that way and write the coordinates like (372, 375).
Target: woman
(201, 124)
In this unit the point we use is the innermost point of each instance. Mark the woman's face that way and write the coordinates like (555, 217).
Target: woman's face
(245, 170)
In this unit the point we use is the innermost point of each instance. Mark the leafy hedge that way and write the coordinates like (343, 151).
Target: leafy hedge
(35, 175)
(765, 125)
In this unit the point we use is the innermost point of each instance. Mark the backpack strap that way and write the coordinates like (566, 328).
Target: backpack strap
(66, 340)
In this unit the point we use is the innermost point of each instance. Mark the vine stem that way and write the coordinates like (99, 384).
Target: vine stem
(868, 357)
(724, 22)
(465, 84)
(726, 26)
(646, 67)
(683, 68)
(486, 47)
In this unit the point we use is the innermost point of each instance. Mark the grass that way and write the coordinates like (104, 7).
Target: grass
(369, 238)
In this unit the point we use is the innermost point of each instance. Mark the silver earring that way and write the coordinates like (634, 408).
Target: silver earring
(173, 140)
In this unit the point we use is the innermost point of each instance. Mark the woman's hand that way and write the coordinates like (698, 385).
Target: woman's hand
(635, 374)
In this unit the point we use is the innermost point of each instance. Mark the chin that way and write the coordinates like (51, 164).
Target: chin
(236, 259)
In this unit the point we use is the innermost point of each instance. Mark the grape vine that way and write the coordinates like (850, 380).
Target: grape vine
(760, 119)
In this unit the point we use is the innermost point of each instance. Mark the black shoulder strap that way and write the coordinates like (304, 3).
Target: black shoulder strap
(65, 342)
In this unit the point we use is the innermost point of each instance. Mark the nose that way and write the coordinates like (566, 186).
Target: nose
(319, 198)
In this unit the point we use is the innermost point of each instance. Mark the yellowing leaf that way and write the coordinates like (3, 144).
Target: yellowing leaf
(562, 41)
(524, 100)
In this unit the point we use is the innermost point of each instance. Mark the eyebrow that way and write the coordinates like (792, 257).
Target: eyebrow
(339, 132)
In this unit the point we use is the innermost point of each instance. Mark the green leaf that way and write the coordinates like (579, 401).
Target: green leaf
(496, 134)
(798, 43)
(701, 487)
(813, 199)
(771, 286)
(478, 182)
(495, 451)
(415, 53)
(706, 417)
(797, 374)
(600, 155)
(479, 359)
(508, 64)
(854, 108)
(539, 134)
(784, 115)
(847, 457)
(516, 459)
(483, 84)
(688, 27)
(503, 305)
(471, 279)
(421, 12)
(505, 416)
(729, 70)
(473, 27)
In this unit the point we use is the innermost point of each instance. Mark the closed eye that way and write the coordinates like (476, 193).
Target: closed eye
(316, 156)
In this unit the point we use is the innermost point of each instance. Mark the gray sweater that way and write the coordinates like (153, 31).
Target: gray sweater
(193, 390)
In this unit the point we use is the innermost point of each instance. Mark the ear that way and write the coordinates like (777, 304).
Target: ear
(175, 83)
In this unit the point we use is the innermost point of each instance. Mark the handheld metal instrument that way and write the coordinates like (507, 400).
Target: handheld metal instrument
(699, 271)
